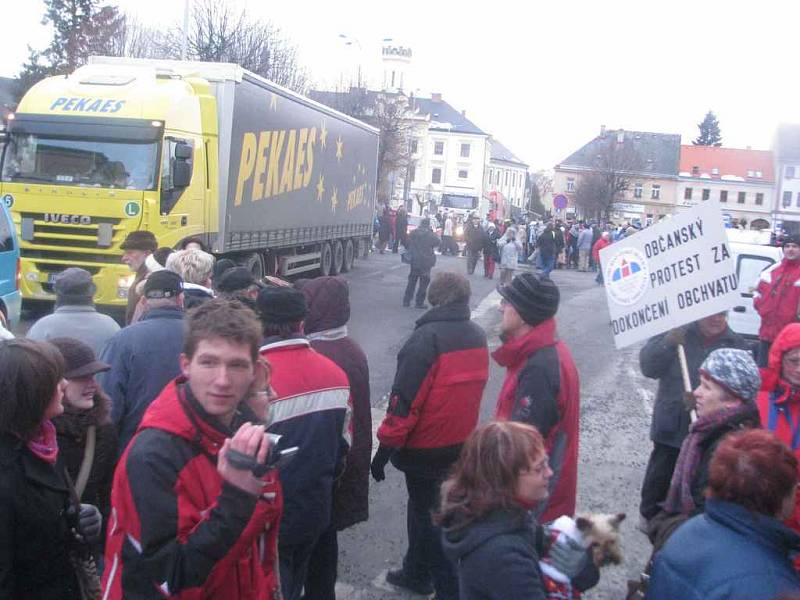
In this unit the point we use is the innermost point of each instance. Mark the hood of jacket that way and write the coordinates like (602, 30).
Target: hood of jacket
(445, 312)
(328, 303)
(74, 422)
(176, 411)
(761, 529)
(458, 541)
(788, 339)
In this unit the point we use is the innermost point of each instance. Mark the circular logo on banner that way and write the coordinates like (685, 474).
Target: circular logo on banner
(132, 209)
(626, 276)
(8, 200)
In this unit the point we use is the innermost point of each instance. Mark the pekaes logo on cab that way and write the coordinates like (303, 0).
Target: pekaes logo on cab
(626, 276)
(87, 105)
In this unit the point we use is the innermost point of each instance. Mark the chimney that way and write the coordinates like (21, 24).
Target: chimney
(602, 131)
(436, 97)
(621, 136)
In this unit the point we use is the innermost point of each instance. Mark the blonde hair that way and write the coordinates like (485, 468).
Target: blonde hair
(194, 266)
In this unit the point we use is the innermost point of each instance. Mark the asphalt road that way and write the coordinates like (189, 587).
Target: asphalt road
(616, 404)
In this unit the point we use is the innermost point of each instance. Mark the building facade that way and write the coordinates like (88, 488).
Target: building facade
(505, 182)
(740, 179)
(647, 161)
(786, 150)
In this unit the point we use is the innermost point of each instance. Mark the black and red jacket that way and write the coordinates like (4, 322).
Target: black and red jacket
(177, 530)
(441, 372)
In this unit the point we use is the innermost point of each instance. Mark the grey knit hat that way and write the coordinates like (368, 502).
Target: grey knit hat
(735, 370)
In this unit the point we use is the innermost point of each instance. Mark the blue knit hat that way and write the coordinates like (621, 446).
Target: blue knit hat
(735, 370)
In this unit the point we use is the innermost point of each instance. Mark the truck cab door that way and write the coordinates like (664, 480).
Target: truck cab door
(182, 195)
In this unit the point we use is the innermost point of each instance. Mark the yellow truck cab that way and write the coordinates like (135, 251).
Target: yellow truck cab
(122, 144)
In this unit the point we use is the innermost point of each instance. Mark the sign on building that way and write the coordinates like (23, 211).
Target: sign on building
(670, 274)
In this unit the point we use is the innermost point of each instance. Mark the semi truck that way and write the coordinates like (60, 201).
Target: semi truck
(260, 174)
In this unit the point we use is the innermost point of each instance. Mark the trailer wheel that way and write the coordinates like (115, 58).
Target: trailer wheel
(338, 258)
(349, 256)
(254, 262)
(325, 259)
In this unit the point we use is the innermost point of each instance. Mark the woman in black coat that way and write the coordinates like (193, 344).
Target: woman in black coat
(37, 519)
(86, 407)
(488, 530)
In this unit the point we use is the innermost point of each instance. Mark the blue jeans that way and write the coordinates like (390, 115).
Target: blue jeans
(548, 264)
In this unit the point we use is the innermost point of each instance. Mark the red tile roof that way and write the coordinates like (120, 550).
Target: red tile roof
(729, 161)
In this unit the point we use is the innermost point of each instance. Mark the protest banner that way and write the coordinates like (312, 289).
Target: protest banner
(669, 274)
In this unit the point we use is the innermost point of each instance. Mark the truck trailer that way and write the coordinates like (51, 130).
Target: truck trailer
(260, 174)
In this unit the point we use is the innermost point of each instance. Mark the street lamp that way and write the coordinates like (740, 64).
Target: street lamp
(349, 41)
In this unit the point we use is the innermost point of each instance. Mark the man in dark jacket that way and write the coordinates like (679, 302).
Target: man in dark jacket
(441, 372)
(421, 243)
(187, 521)
(541, 387)
(658, 359)
(144, 356)
(136, 248)
(309, 411)
(547, 249)
(326, 327)
(475, 238)
(400, 229)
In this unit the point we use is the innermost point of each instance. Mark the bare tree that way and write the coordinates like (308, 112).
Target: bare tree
(136, 40)
(610, 177)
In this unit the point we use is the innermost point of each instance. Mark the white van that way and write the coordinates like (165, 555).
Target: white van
(752, 257)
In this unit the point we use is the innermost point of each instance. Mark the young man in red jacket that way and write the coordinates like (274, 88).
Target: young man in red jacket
(185, 522)
(541, 387)
(441, 372)
(777, 296)
(310, 410)
(603, 241)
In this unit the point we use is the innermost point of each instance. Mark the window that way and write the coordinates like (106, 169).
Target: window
(740, 197)
(655, 192)
(723, 196)
(570, 184)
(798, 199)
(759, 198)
(759, 174)
(789, 172)
(715, 171)
(687, 194)
(706, 194)
(497, 177)
(413, 146)
(436, 177)
(438, 148)
(751, 173)
(506, 179)
(491, 173)
(412, 172)
(463, 174)
(637, 190)
(464, 150)
(787, 199)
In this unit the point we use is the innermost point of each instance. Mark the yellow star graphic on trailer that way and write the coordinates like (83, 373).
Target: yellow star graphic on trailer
(273, 102)
(339, 148)
(323, 136)
(334, 200)
(320, 187)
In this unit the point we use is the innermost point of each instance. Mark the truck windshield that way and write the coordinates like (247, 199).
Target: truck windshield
(81, 162)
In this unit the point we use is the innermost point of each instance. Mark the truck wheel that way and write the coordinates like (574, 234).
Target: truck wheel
(338, 258)
(349, 256)
(325, 259)
(255, 264)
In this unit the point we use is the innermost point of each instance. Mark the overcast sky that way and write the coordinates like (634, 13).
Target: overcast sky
(541, 77)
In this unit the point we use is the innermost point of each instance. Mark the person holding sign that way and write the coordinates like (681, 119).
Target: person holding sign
(777, 297)
(658, 359)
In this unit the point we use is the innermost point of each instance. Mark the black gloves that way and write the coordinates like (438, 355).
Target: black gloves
(382, 457)
(90, 522)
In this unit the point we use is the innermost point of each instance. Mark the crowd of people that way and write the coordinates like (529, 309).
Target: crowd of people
(215, 445)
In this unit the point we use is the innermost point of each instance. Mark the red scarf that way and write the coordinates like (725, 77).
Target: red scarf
(513, 354)
(44, 444)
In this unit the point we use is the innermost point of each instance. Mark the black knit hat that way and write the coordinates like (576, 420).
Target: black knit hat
(234, 280)
(162, 284)
(74, 286)
(535, 298)
(277, 305)
(79, 358)
(140, 240)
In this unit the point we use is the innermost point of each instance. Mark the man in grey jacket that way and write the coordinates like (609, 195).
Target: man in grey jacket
(584, 246)
(75, 315)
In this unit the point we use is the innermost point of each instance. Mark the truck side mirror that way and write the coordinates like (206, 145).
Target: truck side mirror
(183, 151)
(181, 173)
